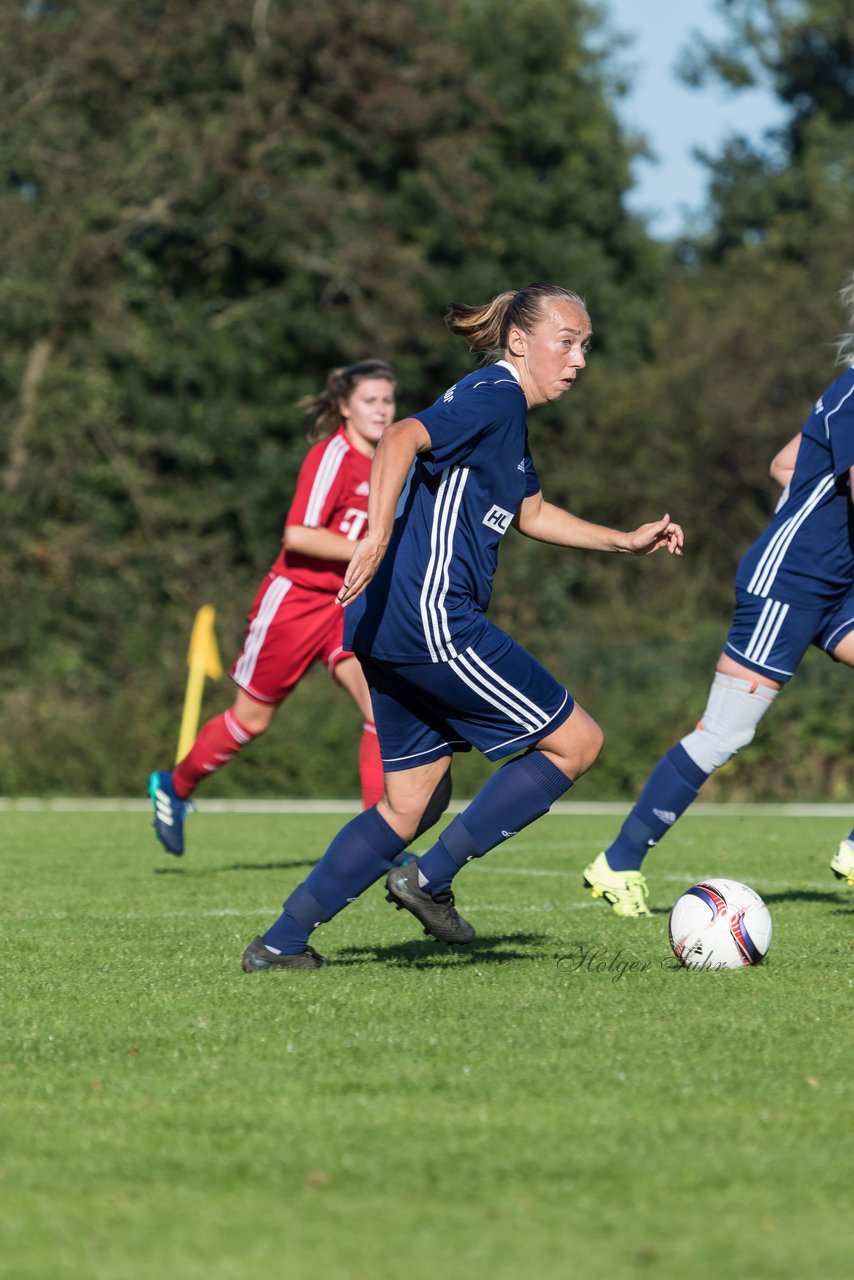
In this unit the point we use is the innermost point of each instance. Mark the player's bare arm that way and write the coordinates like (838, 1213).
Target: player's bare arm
(545, 522)
(396, 452)
(782, 466)
(323, 544)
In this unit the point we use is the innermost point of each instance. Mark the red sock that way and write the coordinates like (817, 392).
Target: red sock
(370, 766)
(217, 741)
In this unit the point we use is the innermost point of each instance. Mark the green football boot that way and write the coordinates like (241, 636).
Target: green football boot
(625, 890)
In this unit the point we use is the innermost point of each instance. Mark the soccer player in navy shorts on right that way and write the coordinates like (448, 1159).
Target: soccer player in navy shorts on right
(446, 484)
(794, 588)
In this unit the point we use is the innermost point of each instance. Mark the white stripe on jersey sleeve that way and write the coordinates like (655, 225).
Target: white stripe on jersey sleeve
(326, 473)
(836, 407)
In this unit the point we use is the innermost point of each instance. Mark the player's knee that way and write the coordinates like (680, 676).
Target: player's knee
(729, 721)
(576, 745)
(257, 725)
(590, 740)
(411, 811)
(710, 746)
(254, 718)
(436, 805)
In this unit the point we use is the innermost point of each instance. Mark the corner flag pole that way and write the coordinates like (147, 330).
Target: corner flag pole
(203, 660)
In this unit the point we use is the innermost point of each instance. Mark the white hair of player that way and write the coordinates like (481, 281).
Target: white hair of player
(845, 345)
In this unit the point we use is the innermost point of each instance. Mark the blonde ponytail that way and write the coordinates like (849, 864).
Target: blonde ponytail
(485, 328)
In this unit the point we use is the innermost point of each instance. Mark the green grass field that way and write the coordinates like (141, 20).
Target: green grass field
(555, 1102)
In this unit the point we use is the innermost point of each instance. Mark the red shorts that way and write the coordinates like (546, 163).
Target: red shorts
(290, 628)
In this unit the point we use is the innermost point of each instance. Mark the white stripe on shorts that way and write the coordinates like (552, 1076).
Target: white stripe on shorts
(835, 632)
(274, 595)
(499, 746)
(766, 631)
(495, 690)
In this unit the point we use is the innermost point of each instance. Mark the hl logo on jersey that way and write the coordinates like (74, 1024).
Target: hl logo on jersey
(498, 518)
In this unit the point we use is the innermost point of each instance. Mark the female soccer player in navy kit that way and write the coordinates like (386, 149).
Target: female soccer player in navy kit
(794, 588)
(296, 619)
(443, 678)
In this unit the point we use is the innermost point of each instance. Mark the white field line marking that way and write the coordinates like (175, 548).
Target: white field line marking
(142, 915)
(583, 808)
(675, 877)
(768, 886)
(134, 916)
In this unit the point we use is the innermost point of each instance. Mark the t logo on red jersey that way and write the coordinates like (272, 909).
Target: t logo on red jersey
(353, 523)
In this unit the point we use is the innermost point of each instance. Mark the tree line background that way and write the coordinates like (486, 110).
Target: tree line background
(207, 206)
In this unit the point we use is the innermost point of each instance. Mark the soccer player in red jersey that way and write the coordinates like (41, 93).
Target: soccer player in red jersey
(296, 620)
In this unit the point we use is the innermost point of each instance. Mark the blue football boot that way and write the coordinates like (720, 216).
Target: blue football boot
(169, 812)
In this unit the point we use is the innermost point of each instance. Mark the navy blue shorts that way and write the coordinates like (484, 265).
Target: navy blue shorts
(771, 637)
(493, 696)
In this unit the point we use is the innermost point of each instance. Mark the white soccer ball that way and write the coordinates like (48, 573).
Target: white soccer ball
(720, 924)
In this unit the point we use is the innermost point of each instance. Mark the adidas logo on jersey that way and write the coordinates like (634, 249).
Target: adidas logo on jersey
(665, 815)
(522, 466)
(449, 394)
(363, 489)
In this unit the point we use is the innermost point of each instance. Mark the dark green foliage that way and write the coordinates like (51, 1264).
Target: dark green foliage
(205, 207)
(794, 189)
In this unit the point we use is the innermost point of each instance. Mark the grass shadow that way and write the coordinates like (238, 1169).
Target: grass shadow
(805, 895)
(424, 954)
(841, 900)
(234, 866)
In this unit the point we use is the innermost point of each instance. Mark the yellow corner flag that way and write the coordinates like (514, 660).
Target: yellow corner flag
(203, 660)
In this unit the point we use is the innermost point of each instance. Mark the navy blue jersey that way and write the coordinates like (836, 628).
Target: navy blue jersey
(428, 599)
(806, 555)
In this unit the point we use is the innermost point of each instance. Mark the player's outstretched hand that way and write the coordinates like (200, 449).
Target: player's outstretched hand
(660, 534)
(364, 562)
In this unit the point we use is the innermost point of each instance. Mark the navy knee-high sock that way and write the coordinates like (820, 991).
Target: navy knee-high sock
(670, 788)
(514, 797)
(360, 853)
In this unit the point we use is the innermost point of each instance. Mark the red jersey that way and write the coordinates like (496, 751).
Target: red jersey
(331, 493)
